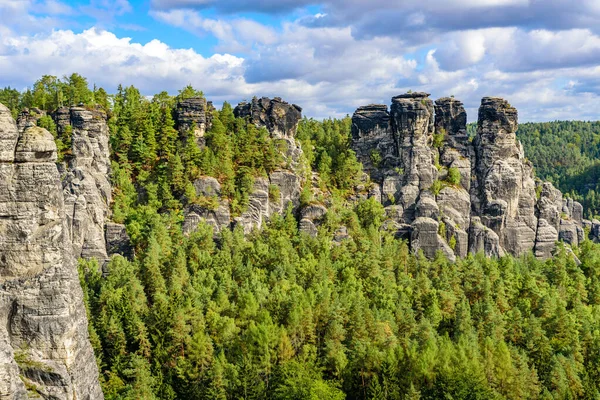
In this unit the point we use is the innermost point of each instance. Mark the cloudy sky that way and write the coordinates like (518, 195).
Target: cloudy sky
(328, 56)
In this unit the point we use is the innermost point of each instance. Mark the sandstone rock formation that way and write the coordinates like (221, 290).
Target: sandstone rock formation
(44, 345)
(194, 112)
(279, 117)
(86, 185)
(443, 191)
(270, 194)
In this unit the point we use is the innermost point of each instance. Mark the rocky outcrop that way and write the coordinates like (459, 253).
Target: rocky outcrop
(279, 117)
(196, 113)
(44, 341)
(503, 194)
(29, 117)
(209, 207)
(481, 194)
(373, 141)
(270, 194)
(86, 185)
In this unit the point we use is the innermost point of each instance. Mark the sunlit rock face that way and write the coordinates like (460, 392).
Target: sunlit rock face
(43, 326)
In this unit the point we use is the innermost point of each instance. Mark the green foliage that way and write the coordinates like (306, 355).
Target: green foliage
(281, 315)
(274, 193)
(453, 176)
(375, 157)
(452, 242)
(438, 139)
(326, 146)
(436, 187)
(370, 212)
(566, 153)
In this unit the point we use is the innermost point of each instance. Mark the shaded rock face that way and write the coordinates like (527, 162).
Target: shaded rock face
(481, 194)
(43, 325)
(86, 185)
(194, 112)
(279, 117)
(117, 240)
(372, 139)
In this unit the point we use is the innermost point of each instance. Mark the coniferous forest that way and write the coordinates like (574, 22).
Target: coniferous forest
(278, 314)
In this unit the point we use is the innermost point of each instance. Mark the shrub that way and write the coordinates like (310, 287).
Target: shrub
(453, 176)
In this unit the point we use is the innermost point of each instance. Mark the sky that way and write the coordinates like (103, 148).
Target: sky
(328, 56)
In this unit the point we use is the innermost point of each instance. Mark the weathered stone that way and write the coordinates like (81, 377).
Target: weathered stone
(412, 122)
(207, 186)
(8, 135)
(458, 237)
(313, 212)
(35, 145)
(425, 237)
(218, 218)
(455, 203)
(496, 190)
(279, 117)
(194, 112)
(372, 140)
(42, 317)
(258, 206)
(289, 186)
(504, 191)
(546, 238)
(483, 239)
(86, 187)
(117, 240)
(29, 117)
(568, 232)
(427, 207)
(308, 227)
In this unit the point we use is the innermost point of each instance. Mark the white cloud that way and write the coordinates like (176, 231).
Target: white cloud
(327, 69)
(237, 35)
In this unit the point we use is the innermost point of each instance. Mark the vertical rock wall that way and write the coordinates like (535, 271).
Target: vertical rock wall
(86, 184)
(44, 345)
(448, 194)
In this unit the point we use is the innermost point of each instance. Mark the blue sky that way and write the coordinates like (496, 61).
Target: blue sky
(328, 56)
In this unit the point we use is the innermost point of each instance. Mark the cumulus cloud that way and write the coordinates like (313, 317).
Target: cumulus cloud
(333, 60)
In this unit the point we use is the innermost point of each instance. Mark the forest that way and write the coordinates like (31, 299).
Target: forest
(278, 314)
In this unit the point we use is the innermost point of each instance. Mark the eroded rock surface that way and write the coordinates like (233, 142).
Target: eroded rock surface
(86, 186)
(194, 112)
(43, 326)
(481, 193)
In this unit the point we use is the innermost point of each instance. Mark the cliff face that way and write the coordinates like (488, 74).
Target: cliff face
(44, 345)
(447, 193)
(86, 185)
